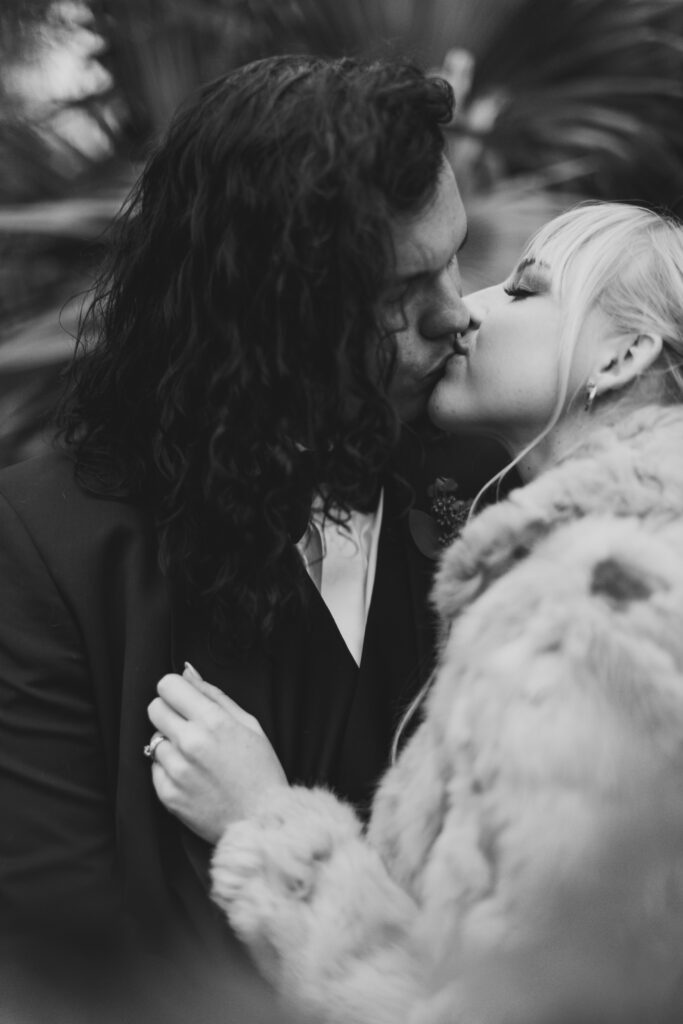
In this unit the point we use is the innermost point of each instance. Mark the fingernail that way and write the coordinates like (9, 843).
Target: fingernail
(191, 673)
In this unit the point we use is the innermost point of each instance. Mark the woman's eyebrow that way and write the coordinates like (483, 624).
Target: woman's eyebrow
(531, 261)
(534, 270)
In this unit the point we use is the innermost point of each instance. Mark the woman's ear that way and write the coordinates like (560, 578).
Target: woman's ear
(629, 357)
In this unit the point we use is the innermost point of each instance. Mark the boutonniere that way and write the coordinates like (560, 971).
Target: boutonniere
(434, 530)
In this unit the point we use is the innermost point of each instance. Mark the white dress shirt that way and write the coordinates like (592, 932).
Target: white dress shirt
(341, 559)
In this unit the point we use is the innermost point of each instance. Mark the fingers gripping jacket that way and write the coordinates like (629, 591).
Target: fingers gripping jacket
(312, 899)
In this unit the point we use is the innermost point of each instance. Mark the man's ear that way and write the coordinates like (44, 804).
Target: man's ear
(629, 357)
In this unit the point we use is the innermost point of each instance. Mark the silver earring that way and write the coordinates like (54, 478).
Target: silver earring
(591, 392)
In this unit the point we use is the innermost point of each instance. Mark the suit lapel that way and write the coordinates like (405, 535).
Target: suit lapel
(420, 577)
(396, 656)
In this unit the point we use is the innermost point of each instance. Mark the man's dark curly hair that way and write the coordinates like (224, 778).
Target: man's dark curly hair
(222, 366)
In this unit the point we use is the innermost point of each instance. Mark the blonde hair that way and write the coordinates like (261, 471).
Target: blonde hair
(627, 261)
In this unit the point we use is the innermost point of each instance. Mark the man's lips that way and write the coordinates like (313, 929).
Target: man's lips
(461, 347)
(438, 371)
(462, 344)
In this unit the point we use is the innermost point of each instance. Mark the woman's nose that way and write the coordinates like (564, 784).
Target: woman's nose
(463, 316)
(479, 304)
(476, 310)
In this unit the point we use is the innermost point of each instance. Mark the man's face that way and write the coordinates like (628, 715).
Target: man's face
(422, 304)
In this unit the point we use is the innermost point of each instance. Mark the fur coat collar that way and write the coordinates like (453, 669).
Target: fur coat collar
(633, 468)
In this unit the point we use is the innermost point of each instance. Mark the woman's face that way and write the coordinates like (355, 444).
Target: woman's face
(505, 381)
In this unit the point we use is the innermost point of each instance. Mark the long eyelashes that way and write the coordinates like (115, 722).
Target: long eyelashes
(516, 292)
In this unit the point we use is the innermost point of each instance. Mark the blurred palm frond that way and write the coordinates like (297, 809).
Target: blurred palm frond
(500, 221)
(58, 240)
(600, 81)
(568, 99)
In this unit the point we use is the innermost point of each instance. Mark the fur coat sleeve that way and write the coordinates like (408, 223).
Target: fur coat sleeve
(315, 904)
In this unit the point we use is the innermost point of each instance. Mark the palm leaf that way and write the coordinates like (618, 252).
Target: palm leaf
(570, 98)
(501, 220)
(593, 79)
(50, 243)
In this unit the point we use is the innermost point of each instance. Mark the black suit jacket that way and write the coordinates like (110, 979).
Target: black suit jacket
(88, 625)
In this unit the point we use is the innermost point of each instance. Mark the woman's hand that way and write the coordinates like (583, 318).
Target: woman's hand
(215, 760)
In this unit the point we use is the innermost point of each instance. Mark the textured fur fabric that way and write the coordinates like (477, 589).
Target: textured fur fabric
(524, 861)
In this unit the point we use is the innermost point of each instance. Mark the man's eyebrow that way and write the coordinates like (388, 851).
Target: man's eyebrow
(411, 275)
(417, 275)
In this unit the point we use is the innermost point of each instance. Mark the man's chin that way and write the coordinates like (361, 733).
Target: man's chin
(422, 424)
(412, 409)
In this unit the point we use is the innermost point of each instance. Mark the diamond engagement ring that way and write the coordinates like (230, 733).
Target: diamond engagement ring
(151, 747)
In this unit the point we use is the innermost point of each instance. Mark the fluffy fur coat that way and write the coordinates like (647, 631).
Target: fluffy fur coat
(524, 860)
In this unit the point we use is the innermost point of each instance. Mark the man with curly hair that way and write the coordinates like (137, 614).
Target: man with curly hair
(280, 297)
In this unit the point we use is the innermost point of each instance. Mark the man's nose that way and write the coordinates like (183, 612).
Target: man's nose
(450, 316)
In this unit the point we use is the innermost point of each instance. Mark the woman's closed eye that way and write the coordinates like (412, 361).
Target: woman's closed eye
(517, 292)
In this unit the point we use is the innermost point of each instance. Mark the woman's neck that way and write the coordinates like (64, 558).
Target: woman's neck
(565, 435)
(535, 462)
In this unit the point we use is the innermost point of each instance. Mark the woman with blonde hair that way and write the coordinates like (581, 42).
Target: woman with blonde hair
(524, 859)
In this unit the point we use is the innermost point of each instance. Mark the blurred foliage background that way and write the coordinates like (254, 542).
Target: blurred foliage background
(558, 100)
